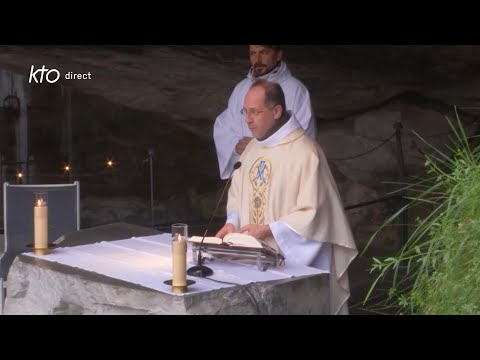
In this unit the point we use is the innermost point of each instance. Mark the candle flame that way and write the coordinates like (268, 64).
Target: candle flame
(40, 202)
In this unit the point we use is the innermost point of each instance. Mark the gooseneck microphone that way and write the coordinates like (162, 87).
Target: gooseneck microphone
(201, 270)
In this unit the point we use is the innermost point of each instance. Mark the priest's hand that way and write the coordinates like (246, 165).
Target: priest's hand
(257, 231)
(227, 229)
(242, 144)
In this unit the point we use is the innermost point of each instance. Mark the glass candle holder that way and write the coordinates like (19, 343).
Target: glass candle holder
(179, 257)
(41, 199)
(40, 223)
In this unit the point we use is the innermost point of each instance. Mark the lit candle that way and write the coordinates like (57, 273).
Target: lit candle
(179, 255)
(40, 220)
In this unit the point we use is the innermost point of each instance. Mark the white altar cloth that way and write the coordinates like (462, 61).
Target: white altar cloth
(147, 261)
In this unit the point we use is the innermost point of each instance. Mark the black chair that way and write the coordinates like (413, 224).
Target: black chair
(18, 200)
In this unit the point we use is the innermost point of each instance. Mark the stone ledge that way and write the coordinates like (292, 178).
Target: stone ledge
(40, 287)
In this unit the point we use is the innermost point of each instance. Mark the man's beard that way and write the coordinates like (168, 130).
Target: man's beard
(261, 69)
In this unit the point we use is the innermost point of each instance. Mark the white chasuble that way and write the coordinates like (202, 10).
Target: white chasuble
(285, 182)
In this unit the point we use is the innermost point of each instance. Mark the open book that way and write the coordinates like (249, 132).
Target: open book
(234, 240)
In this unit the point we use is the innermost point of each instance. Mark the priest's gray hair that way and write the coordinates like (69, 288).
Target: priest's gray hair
(273, 93)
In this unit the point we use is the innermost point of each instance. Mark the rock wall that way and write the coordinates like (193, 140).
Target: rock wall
(164, 99)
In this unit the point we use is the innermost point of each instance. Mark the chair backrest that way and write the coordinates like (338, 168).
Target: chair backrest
(18, 200)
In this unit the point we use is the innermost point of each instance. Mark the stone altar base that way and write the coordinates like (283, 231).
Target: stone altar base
(41, 287)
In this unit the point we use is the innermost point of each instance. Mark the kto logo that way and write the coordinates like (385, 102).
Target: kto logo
(51, 75)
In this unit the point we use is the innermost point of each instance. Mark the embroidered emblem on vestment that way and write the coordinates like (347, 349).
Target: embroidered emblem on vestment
(259, 175)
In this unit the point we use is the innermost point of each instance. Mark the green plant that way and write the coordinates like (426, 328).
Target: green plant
(438, 270)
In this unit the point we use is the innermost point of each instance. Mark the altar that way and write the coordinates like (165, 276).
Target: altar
(126, 274)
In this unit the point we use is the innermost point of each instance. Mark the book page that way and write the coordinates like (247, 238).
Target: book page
(238, 239)
(232, 239)
(207, 240)
(235, 240)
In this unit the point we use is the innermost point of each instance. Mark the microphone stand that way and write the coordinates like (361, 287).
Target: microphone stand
(149, 159)
(201, 270)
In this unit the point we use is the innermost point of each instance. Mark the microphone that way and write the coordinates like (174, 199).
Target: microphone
(200, 270)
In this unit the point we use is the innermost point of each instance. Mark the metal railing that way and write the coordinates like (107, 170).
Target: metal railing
(400, 197)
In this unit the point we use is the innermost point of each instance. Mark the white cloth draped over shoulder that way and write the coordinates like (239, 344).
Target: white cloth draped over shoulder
(285, 181)
(230, 126)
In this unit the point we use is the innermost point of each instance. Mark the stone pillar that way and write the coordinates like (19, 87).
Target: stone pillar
(14, 97)
(21, 126)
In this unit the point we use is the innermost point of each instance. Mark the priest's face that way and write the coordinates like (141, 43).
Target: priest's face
(263, 59)
(259, 118)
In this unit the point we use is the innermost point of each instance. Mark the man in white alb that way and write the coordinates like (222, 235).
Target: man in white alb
(230, 133)
(284, 193)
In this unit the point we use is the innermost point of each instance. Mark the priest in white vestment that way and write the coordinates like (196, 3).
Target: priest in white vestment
(231, 133)
(285, 194)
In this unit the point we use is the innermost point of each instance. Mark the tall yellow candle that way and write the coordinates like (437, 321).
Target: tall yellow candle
(40, 220)
(179, 260)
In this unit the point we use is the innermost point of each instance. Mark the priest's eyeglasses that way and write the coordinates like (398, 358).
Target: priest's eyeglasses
(252, 112)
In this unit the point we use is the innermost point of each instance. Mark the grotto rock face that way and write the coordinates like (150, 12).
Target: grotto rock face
(194, 82)
(165, 99)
